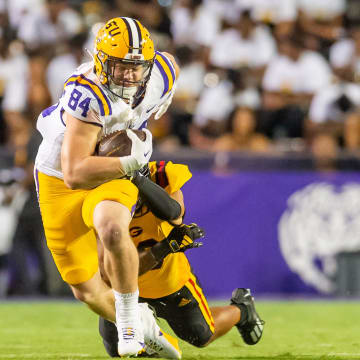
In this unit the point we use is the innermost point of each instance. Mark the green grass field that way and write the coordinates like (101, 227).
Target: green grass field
(293, 330)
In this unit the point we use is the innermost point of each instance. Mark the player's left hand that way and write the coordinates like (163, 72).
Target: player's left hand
(181, 238)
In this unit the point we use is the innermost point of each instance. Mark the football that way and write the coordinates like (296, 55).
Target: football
(117, 143)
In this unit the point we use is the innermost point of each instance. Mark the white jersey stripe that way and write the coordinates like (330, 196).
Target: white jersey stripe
(134, 34)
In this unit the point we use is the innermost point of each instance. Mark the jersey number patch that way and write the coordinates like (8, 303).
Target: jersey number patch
(75, 102)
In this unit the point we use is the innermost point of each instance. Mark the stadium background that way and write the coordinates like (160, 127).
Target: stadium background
(266, 114)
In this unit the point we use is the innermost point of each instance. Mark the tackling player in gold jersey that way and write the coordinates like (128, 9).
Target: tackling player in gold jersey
(166, 281)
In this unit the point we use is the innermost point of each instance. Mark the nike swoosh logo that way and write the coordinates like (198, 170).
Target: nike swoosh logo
(146, 154)
(147, 111)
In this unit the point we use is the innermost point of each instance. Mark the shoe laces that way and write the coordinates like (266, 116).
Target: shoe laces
(154, 346)
(128, 333)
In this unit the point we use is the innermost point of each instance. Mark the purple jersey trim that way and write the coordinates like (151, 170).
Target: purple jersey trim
(143, 125)
(49, 110)
(168, 64)
(165, 78)
(103, 94)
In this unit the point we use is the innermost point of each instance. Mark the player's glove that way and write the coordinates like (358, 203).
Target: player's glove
(180, 239)
(140, 152)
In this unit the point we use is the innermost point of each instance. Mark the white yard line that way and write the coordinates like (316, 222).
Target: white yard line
(345, 354)
(355, 356)
(43, 356)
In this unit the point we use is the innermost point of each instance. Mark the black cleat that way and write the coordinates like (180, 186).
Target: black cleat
(109, 335)
(251, 328)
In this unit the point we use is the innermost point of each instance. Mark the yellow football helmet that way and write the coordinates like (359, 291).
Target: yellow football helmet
(123, 57)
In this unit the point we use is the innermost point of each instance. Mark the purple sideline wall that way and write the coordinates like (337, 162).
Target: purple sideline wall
(240, 213)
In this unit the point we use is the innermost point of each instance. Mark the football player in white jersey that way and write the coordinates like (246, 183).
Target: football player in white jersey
(84, 197)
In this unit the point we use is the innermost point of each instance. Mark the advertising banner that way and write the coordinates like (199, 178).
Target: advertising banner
(273, 232)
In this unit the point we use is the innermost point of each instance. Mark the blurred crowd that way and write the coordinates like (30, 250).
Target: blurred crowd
(262, 76)
(257, 75)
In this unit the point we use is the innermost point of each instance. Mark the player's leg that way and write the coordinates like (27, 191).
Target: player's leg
(156, 340)
(242, 314)
(97, 296)
(107, 210)
(225, 318)
(79, 267)
(250, 326)
(70, 235)
(121, 262)
(190, 317)
(187, 313)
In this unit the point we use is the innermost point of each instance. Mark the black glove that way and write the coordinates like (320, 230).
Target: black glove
(181, 238)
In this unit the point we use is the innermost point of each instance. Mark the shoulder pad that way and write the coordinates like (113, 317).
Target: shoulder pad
(78, 88)
(167, 71)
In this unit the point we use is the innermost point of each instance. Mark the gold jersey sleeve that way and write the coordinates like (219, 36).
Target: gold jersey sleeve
(169, 176)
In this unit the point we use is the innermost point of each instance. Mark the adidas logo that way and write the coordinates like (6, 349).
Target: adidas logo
(184, 302)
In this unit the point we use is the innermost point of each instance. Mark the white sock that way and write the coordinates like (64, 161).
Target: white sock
(126, 306)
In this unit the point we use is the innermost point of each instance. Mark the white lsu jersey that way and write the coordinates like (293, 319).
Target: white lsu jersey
(86, 99)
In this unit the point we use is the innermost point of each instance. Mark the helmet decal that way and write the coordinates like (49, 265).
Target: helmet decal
(134, 33)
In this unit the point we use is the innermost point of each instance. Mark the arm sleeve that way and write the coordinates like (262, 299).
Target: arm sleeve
(157, 199)
(166, 178)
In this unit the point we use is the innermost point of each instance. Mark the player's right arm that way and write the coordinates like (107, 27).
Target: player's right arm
(84, 106)
(80, 168)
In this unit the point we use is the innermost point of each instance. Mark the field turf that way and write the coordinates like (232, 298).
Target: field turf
(294, 330)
